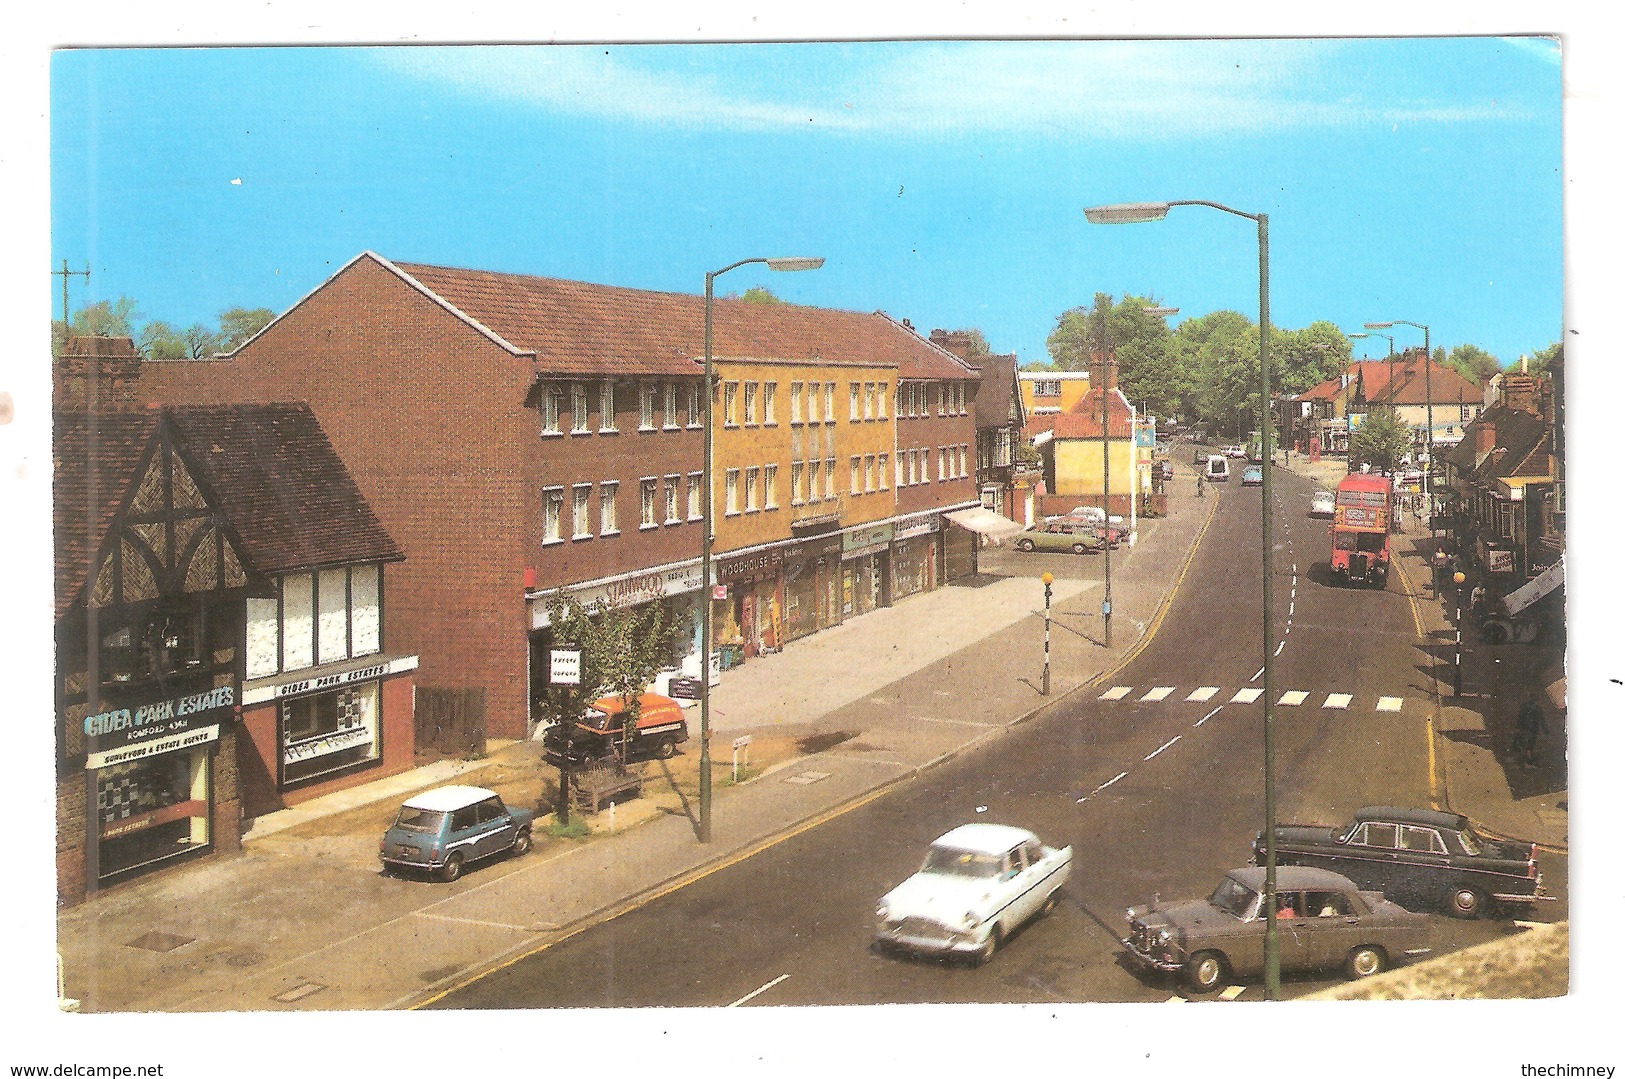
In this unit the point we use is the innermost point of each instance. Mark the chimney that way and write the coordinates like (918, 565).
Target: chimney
(1522, 392)
(1483, 438)
(955, 341)
(95, 372)
(1102, 371)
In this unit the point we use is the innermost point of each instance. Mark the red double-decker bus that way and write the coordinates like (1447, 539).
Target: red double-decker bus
(1365, 505)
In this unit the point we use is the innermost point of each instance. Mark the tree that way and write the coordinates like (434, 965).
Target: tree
(1150, 367)
(759, 295)
(1381, 440)
(621, 650)
(1542, 359)
(238, 324)
(104, 318)
(1474, 363)
(160, 341)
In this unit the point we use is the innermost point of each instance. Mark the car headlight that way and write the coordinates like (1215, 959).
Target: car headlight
(882, 912)
(970, 920)
(1161, 937)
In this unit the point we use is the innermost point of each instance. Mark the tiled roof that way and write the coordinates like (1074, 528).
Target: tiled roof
(1083, 420)
(1324, 391)
(1522, 439)
(577, 328)
(1410, 382)
(998, 387)
(268, 468)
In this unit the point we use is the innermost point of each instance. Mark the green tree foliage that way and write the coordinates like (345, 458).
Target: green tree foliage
(1473, 363)
(1381, 440)
(621, 650)
(1541, 359)
(1150, 371)
(758, 294)
(104, 318)
(159, 340)
(238, 324)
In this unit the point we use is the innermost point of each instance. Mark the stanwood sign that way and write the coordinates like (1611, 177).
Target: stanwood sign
(625, 592)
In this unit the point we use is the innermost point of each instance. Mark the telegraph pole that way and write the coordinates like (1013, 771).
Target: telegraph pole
(66, 273)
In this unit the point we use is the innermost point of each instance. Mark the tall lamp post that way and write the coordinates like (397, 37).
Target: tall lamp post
(782, 265)
(1427, 388)
(1133, 212)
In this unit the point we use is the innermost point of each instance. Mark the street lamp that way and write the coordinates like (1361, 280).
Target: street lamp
(1427, 388)
(1133, 212)
(1049, 580)
(782, 265)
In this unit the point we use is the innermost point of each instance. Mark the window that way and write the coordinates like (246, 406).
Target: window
(812, 402)
(696, 414)
(795, 482)
(580, 525)
(770, 487)
(695, 510)
(770, 391)
(646, 406)
(829, 402)
(671, 500)
(913, 404)
(852, 394)
(795, 402)
(829, 479)
(606, 406)
(1425, 840)
(730, 404)
(552, 401)
(647, 489)
(671, 404)
(750, 404)
(959, 396)
(606, 508)
(941, 394)
(880, 471)
(552, 514)
(856, 486)
(731, 485)
(913, 466)
(578, 408)
(868, 473)
(868, 400)
(899, 470)
(881, 391)
(751, 475)
(1046, 387)
(1372, 834)
(964, 455)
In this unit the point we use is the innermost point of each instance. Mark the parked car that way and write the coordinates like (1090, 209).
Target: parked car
(1252, 476)
(661, 728)
(1217, 469)
(1323, 921)
(1236, 451)
(442, 830)
(979, 884)
(1092, 517)
(1167, 470)
(1060, 536)
(1323, 504)
(1422, 857)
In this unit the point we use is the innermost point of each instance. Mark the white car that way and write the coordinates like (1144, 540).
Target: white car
(979, 883)
(1235, 452)
(1323, 504)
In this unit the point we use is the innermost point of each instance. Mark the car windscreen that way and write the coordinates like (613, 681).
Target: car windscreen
(1469, 842)
(961, 863)
(420, 820)
(1234, 897)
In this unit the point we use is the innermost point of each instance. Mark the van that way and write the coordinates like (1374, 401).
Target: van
(1218, 469)
(661, 726)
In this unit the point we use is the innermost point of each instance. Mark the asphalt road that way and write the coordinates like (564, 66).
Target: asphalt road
(1155, 796)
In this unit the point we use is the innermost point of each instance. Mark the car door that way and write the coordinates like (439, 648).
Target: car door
(1292, 931)
(1422, 868)
(462, 834)
(1015, 882)
(495, 828)
(1371, 855)
(1332, 925)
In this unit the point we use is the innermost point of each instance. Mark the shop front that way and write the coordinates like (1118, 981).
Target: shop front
(747, 612)
(865, 569)
(812, 587)
(915, 551)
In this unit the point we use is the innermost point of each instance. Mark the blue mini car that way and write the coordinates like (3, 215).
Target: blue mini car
(442, 830)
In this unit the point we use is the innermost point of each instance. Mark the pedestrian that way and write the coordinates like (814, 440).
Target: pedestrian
(1476, 602)
(1531, 723)
(1200, 489)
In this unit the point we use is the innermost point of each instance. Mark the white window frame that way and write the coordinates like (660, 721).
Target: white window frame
(669, 490)
(648, 504)
(647, 392)
(580, 511)
(730, 404)
(608, 523)
(552, 516)
(797, 470)
(829, 479)
(868, 473)
(606, 407)
(868, 401)
(795, 403)
(882, 466)
(669, 393)
(881, 389)
(696, 409)
(696, 508)
(856, 485)
(552, 398)
(578, 409)
(770, 390)
(752, 480)
(730, 483)
(942, 462)
(829, 402)
(813, 390)
(770, 486)
(750, 404)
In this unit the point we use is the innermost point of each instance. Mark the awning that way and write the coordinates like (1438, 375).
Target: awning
(1538, 588)
(985, 522)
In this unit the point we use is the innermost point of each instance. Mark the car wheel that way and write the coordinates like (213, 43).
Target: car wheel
(989, 946)
(452, 869)
(666, 748)
(521, 843)
(1079, 548)
(1024, 545)
(1467, 902)
(1366, 960)
(1204, 972)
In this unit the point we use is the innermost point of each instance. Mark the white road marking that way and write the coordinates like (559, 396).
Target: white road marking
(1246, 696)
(1279, 647)
(1209, 716)
(1293, 697)
(1202, 694)
(470, 921)
(1257, 676)
(758, 992)
(1338, 700)
(1116, 693)
(1390, 704)
(1231, 992)
(1176, 999)
(1158, 694)
(1103, 786)
(1162, 747)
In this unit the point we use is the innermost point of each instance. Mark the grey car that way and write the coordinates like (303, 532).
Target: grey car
(1323, 922)
(1058, 536)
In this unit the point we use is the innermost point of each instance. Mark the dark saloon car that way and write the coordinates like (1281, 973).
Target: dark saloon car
(1422, 857)
(442, 830)
(1323, 922)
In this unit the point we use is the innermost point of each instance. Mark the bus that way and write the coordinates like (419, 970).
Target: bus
(1365, 504)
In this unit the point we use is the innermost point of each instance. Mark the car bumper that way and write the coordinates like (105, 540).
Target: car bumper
(1150, 960)
(931, 939)
(409, 863)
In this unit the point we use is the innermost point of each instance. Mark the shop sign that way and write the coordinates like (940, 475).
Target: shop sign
(331, 681)
(758, 564)
(639, 589)
(564, 666)
(818, 548)
(138, 750)
(125, 726)
(1499, 561)
(684, 689)
(336, 742)
(920, 527)
(864, 541)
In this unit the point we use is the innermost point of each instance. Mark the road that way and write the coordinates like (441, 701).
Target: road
(1154, 777)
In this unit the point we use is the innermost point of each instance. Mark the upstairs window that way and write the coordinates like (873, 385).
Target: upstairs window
(551, 405)
(730, 404)
(578, 408)
(552, 515)
(852, 393)
(607, 525)
(606, 406)
(829, 402)
(580, 522)
(646, 406)
(647, 489)
(769, 391)
(670, 395)
(795, 402)
(750, 404)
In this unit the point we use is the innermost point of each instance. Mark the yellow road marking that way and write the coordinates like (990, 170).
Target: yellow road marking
(1434, 794)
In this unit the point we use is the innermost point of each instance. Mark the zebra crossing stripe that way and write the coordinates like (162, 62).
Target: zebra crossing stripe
(1390, 704)
(1158, 693)
(1292, 698)
(1203, 694)
(1246, 696)
(1116, 693)
(1338, 700)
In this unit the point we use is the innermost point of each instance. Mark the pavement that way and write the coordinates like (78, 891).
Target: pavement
(297, 921)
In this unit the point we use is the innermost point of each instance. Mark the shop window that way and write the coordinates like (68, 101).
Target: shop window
(152, 809)
(326, 732)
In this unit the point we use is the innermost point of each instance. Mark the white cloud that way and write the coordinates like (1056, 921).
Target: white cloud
(1100, 89)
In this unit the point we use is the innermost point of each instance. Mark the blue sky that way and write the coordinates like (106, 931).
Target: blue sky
(944, 181)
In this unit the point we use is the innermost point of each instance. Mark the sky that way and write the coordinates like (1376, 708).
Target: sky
(943, 181)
